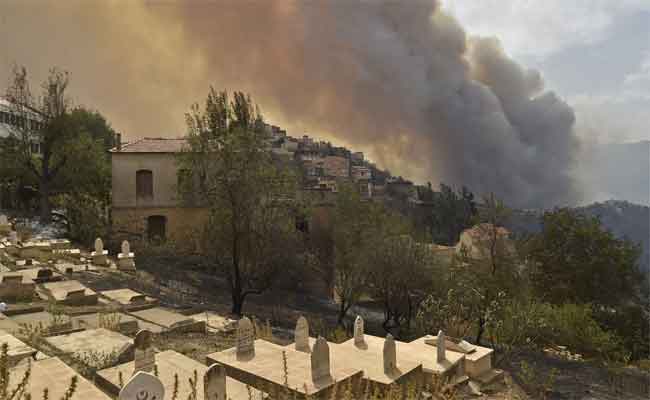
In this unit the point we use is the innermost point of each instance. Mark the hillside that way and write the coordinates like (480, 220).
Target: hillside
(624, 219)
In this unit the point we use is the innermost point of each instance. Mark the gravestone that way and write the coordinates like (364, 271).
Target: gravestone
(13, 238)
(440, 346)
(43, 275)
(145, 357)
(320, 360)
(143, 386)
(125, 259)
(245, 338)
(99, 256)
(302, 335)
(5, 226)
(214, 383)
(390, 354)
(358, 331)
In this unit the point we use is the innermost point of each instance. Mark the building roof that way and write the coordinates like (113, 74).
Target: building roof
(152, 145)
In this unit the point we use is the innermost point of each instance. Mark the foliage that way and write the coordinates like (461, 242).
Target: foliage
(537, 384)
(402, 271)
(452, 213)
(575, 260)
(228, 168)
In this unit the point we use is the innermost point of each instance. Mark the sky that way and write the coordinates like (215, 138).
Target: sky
(594, 53)
(508, 96)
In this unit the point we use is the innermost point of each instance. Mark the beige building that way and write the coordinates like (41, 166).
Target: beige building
(146, 205)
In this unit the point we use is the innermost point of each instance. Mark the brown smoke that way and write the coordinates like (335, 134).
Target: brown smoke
(398, 81)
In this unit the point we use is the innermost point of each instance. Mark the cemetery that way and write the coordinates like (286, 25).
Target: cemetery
(81, 325)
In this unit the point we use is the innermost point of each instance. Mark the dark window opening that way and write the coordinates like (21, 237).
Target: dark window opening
(156, 228)
(144, 184)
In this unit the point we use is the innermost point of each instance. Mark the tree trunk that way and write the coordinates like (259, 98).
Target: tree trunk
(237, 304)
(481, 330)
(45, 208)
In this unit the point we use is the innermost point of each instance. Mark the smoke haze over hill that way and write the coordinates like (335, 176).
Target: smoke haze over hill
(404, 84)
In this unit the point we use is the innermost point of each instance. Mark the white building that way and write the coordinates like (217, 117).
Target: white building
(11, 124)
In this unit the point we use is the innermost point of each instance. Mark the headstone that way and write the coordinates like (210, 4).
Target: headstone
(126, 248)
(145, 357)
(43, 274)
(245, 338)
(143, 386)
(3, 220)
(302, 335)
(13, 238)
(320, 360)
(441, 346)
(214, 383)
(390, 354)
(358, 331)
(99, 246)
(3, 307)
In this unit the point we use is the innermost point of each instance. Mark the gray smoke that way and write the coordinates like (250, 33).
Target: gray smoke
(401, 82)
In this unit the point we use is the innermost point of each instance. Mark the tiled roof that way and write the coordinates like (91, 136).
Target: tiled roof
(152, 145)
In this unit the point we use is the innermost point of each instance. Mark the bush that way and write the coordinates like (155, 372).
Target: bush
(574, 326)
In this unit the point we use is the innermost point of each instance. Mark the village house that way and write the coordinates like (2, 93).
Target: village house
(146, 204)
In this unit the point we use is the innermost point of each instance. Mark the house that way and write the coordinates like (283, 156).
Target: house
(144, 187)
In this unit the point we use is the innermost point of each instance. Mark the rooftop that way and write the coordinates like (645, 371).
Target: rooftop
(152, 145)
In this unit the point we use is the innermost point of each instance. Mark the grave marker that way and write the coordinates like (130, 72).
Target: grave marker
(214, 383)
(302, 335)
(320, 360)
(440, 346)
(143, 386)
(145, 357)
(358, 331)
(390, 354)
(245, 338)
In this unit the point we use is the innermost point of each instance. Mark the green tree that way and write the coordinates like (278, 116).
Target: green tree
(574, 259)
(249, 235)
(73, 142)
(452, 213)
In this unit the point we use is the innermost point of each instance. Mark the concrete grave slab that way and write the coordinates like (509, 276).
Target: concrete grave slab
(264, 369)
(99, 340)
(127, 297)
(370, 358)
(54, 375)
(71, 293)
(68, 268)
(8, 325)
(169, 320)
(61, 323)
(125, 324)
(419, 350)
(478, 359)
(169, 363)
(17, 350)
(215, 322)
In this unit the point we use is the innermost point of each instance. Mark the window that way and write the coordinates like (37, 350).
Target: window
(144, 184)
(156, 228)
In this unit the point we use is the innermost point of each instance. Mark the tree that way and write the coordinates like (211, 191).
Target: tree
(488, 266)
(452, 213)
(72, 143)
(574, 259)
(401, 272)
(249, 235)
(352, 227)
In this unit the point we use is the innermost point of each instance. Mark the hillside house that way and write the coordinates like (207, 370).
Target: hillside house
(144, 185)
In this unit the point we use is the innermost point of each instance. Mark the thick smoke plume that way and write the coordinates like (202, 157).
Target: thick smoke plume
(402, 82)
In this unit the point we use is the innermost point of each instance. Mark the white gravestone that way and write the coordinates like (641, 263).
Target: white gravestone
(390, 354)
(245, 338)
(440, 346)
(302, 335)
(99, 256)
(125, 259)
(5, 226)
(13, 238)
(358, 331)
(145, 356)
(214, 383)
(143, 386)
(320, 360)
